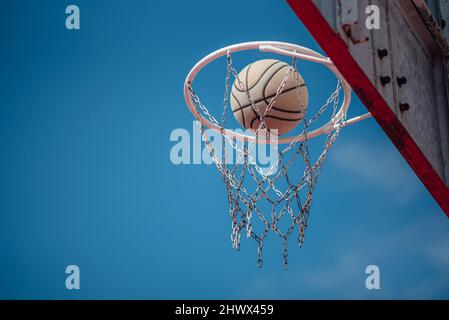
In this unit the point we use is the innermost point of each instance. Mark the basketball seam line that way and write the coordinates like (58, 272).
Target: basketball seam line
(258, 80)
(240, 108)
(264, 99)
(268, 81)
(272, 117)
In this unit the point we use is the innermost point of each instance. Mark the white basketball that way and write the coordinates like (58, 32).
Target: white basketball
(262, 80)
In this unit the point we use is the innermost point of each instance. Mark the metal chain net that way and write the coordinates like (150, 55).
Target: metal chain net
(253, 193)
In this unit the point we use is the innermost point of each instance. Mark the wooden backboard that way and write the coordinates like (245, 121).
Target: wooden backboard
(399, 71)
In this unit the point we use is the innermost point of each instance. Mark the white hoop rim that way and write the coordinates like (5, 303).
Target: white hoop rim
(286, 49)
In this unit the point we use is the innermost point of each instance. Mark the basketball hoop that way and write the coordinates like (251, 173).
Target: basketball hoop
(286, 198)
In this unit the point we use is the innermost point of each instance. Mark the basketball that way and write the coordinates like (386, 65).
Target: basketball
(261, 80)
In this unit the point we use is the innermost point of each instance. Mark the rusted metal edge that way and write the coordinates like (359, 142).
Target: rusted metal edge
(435, 28)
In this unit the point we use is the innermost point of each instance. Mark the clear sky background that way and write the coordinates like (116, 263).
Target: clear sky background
(86, 177)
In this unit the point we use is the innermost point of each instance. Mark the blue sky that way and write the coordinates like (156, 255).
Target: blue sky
(86, 178)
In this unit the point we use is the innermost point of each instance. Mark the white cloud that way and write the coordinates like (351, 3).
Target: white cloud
(379, 165)
(413, 261)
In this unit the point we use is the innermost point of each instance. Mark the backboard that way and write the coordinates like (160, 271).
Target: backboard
(399, 71)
